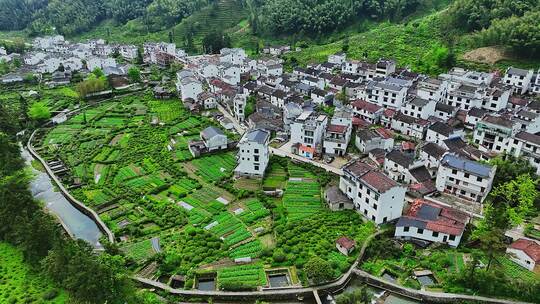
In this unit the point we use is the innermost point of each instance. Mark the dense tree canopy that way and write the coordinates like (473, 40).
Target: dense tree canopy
(321, 16)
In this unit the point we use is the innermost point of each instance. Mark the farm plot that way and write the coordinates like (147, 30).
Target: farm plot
(299, 172)
(167, 111)
(252, 249)
(190, 124)
(139, 251)
(276, 177)
(255, 211)
(241, 277)
(62, 134)
(302, 199)
(147, 183)
(110, 122)
(98, 196)
(128, 172)
(215, 167)
(183, 187)
(228, 227)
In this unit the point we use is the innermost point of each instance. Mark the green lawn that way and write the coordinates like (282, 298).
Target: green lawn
(21, 284)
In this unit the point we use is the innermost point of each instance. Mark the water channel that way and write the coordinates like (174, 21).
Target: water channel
(75, 222)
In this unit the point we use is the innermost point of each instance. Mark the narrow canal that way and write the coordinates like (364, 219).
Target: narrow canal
(75, 222)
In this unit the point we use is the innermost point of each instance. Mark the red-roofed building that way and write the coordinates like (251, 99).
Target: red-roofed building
(375, 195)
(432, 222)
(345, 245)
(526, 253)
(387, 117)
(368, 111)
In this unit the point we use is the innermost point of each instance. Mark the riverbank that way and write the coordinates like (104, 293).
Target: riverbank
(75, 223)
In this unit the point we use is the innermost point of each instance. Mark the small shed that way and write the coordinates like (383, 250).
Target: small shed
(345, 245)
(336, 200)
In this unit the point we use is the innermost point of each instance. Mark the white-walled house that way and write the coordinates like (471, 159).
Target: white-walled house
(527, 145)
(128, 51)
(431, 89)
(519, 79)
(188, 85)
(376, 196)
(419, 108)
(525, 253)
(494, 133)
(464, 178)
(368, 111)
(431, 222)
(97, 62)
(410, 126)
(367, 140)
(214, 139)
(439, 132)
(253, 154)
(387, 94)
(432, 154)
(234, 56)
(307, 131)
(239, 107)
(207, 100)
(337, 58)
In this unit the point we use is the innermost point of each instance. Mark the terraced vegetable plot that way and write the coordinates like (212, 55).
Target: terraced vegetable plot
(215, 167)
(299, 172)
(302, 199)
(252, 249)
(139, 251)
(242, 277)
(228, 227)
(167, 110)
(254, 211)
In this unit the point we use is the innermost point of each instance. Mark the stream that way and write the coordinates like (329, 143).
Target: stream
(75, 222)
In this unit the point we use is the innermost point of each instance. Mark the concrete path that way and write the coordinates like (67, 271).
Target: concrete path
(327, 167)
(237, 126)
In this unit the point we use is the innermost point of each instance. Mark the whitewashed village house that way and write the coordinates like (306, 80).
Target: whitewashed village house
(376, 196)
(253, 154)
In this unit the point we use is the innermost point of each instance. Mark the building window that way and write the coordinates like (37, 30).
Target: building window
(420, 231)
(435, 234)
(365, 211)
(452, 237)
(406, 229)
(454, 171)
(466, 175)
(373, 217)
(375, 206)
(478, 179)
(256, 151)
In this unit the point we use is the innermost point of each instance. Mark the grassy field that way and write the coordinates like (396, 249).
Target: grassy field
(21, 284)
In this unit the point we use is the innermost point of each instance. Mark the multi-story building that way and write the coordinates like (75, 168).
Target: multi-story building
(239, 107)
(419, 108)
(496, 98)
(431, 222)
(388, 93)
(439, 132)
(233, 56)
(376, 196)
(527, 145)
(431, 89)
(307, 132)
(464, 178)
(128, 51)
(336, 139)
(367, 140)
(188, 85)
(410, 126)
(253, 154)
(368, 111)
(465, 97)
(494, 133)
(519, 79)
